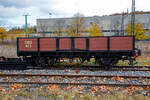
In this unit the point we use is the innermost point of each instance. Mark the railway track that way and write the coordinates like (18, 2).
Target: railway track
(13, 64)
(22, 66)
(70, 76)
(65, 77)
(97, 68)
(18, 64)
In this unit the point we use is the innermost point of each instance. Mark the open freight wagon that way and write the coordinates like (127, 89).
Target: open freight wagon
(107, 51)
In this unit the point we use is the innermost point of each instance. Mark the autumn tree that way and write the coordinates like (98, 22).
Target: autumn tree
(96, 20)
(3, 34)
(94, 30)
(16, 32)
(115, 25)
(77, 25)
(32, 30)
(20, 32)
(59, 27)
(138, 31)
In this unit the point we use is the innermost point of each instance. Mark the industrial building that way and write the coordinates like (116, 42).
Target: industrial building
(110, 25)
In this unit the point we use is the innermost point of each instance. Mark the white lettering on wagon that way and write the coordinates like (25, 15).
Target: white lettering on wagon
(28, 44)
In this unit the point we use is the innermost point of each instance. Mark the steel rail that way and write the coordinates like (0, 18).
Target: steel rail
(97, 68)
(67, 75)
(61, 83)
(86, 66)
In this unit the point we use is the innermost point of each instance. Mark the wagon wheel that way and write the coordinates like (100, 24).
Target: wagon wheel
(3, 58)
(70, 60)
(42, 62)
(115, 61)
(52, 62)
(108, 62)
(82, 60)
(34, 61)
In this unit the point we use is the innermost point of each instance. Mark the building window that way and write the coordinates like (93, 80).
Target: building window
(91, 23)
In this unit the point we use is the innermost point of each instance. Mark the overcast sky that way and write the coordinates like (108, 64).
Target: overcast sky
(12, 11)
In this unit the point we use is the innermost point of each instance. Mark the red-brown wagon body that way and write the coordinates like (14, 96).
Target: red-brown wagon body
(47, 44)
(98, 43)
(28, 44)
(80, 43)
(121, 43)
(114, 47)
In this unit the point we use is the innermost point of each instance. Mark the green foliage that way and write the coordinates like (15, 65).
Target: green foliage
(141, 61)
(139, 31)
(94, 30)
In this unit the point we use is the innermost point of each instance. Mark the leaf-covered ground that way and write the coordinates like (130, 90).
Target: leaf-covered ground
(54, 92)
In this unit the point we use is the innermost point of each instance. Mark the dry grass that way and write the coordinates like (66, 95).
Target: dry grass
(144, 46)
(8, 50)
(72, 95)
(141, 61)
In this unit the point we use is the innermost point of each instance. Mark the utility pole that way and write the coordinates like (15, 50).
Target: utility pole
(77, 25)
(50, 15)
(133, 17)
(122, 25)
(26, 24)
